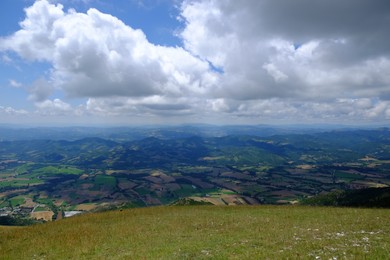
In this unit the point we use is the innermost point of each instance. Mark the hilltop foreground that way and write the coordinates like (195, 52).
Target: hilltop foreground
(187, 232)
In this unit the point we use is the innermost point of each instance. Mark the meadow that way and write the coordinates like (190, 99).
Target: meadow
(206, 232)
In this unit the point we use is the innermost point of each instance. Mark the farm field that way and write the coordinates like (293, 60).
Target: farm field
(203, 232)
(94, 174)
(219, 185)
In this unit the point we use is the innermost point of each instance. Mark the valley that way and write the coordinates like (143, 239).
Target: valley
(95, 173)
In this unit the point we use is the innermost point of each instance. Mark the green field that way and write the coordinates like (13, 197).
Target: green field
(20, 183)
(52, 170)
(16, 201)
(204, 232)
(105, 180)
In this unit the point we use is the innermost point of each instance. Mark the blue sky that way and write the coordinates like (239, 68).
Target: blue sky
(124, 62)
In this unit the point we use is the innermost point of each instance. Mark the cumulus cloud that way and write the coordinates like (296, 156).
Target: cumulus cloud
(153, 105)
(96, 55)
(256, 59)
(14, 83)
(288, 111)
(54, 107)
(40, 90)
(10, 111)
(297, 49)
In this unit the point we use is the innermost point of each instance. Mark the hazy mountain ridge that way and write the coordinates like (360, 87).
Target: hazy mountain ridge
(15, 133)
(355, 143)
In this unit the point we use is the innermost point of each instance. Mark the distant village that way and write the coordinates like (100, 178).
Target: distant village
(30, 209)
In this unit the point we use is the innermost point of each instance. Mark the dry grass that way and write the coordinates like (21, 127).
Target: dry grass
(242, 232)
(45, 215)
(86, 207)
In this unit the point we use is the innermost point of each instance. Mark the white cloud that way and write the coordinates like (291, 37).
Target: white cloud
(96, 55)
(12, 111)
(153, 105)
(301, 49)
(274, 72)
(292, 61)
(219, 105)
(56, 103)
(55, 107)
(14, 83)
(40, 90)
(288, 111)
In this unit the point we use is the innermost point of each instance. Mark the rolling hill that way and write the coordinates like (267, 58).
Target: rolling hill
(111, 167)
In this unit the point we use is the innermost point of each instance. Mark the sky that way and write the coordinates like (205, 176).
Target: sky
(134, 62)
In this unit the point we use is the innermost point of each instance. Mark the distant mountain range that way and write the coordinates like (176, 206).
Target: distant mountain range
(163, 132)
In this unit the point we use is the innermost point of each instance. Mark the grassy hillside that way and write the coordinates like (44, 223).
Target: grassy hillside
(200, 232)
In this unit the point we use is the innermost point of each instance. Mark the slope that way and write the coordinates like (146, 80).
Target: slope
(242, 232)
